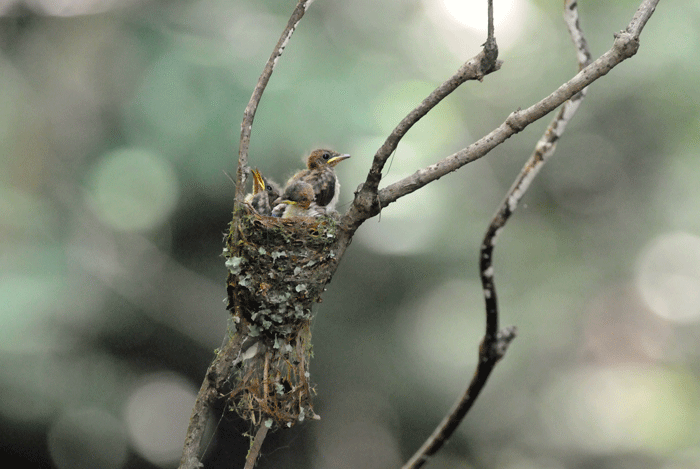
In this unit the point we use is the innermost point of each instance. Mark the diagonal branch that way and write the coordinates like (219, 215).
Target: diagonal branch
(476, 68)
(251, 108)
(209, 393)
(544, 149)
(257, 445)
(496, 342)
(625, 46)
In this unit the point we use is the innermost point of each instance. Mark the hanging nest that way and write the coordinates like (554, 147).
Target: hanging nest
(277, 269)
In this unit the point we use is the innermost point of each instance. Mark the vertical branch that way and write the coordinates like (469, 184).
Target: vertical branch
(251, 108)
(490, 29)
(495, 342)
(220, 368)
(544, 149)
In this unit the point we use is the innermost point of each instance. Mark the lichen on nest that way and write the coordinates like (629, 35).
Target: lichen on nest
(277, 269)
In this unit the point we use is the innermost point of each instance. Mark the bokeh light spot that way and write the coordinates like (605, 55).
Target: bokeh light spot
(668, 276)
(621, 408)
(133, 189)
(472, 14)
(157, 414)
(176, 97)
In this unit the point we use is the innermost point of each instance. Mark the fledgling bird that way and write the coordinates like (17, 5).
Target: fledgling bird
(298, 201)
(321, 177)
(264, 193)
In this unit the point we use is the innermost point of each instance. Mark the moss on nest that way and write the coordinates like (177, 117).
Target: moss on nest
(277, 270)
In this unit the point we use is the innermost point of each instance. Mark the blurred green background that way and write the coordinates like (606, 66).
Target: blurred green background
(118, 118)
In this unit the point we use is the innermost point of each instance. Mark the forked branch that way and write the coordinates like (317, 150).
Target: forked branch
(625, 46)
(496, 341)
(366, 200)
(369, 200)
(252, 107)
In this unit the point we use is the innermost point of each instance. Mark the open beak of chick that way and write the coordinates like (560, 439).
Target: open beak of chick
(258, 181)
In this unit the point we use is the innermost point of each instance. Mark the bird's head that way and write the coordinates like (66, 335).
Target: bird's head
(300, 194)
(321, 157)
(273, 189)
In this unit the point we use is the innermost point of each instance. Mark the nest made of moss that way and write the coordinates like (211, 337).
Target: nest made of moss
(277, 269)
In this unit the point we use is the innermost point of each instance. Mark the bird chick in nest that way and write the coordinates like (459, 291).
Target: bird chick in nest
(318, 182)
(265, 192)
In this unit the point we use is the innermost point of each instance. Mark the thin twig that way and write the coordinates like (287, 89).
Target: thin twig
(249, 113)
(220, 368)
(544, 149)
(495, 342)
(476, 68)
(256, 446)
(625, 46)
(471, 70)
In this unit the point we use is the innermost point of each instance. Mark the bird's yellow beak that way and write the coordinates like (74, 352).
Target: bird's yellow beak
(337, 159)
(258, 181)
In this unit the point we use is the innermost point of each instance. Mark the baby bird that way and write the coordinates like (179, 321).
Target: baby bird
(298, 201)
(320, 177)
(264, 193)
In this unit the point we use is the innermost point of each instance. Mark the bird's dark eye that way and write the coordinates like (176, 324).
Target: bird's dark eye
(326, 155)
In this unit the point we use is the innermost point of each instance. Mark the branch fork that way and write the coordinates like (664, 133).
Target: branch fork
(369, 200)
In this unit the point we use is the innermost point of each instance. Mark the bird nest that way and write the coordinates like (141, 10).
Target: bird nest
(277, 269)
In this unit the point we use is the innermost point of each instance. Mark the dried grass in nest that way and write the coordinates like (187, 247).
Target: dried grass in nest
(278, 269)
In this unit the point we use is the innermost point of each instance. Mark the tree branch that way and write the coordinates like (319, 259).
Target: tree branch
(495, 342)
(476, 68)
(625, 46)
(544, 149)
(257, 445)
(251, 108)
(209, 393)
(221, 368)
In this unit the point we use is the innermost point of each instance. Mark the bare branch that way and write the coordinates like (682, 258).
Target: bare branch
(490, 28)
(251, 108)
(583, 54)
(476, 68)
(256, 446)
(495, 342)
(487, 361)
(544, 149)
(209, 393)
(471, 70)
(640, 18)
(625, 46)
